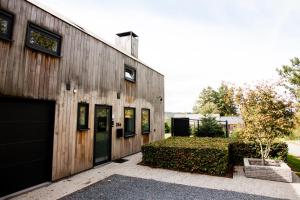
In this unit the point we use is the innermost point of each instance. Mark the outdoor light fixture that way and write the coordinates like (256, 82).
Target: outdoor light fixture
(160, 98)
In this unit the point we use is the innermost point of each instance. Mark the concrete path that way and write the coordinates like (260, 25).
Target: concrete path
(294, 148)
(239, 183)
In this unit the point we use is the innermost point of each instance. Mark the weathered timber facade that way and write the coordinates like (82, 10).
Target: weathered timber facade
(94, 72)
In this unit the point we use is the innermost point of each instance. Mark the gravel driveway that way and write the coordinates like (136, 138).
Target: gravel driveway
(124, 187)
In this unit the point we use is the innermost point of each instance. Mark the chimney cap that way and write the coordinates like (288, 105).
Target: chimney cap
(127, 34)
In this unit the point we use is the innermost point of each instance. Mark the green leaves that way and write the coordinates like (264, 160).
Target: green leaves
(266, 116)
(239, 150)
(291, 76)
(197, 155)
(220, 101)
(210, 128)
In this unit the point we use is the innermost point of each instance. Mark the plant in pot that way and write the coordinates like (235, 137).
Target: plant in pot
(266, 116)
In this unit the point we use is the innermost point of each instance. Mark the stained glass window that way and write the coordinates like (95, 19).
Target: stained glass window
(43, 40)
(3, 26)
(6, 24)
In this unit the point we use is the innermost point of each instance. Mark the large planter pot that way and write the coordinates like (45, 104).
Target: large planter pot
(274, 170)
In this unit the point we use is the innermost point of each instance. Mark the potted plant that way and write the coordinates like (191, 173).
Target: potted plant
(266, 116)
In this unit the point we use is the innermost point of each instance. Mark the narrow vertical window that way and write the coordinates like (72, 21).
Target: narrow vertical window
(129, 122)
(145, 121)
(6, 25)
(83, 116)
(43, 40)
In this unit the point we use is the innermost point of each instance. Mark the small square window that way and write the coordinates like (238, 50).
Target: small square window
(83, 116)
(130, 74)
(145, 121)
(43, 40)
(6, 25)
(129, 122)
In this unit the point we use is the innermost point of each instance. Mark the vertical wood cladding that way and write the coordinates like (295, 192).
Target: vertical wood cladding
(94, 69)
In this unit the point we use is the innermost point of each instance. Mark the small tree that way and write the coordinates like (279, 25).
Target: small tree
(266, 116)
(167, 128)
(210, 128)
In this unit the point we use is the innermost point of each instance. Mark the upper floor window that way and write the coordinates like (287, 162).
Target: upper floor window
(43, 40)
(6, 25)
(130, 74)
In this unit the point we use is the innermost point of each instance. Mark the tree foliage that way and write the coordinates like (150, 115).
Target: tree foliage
(225, 102)
(266, 116)
(291, 76)
(208, 109)
(220, 101)
(210, 128)
(167, 127)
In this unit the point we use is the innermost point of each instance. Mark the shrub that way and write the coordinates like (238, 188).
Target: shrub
(239, 150)
(167, 128)
(210, 128)
(197, 155)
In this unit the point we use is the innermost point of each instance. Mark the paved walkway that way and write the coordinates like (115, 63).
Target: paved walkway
(294, 148)
(239, 183)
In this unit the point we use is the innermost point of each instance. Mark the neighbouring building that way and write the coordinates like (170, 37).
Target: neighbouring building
(233, 122)
(69, 100)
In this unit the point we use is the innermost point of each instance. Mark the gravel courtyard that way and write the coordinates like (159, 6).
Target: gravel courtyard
(135, 177)
(123, 187)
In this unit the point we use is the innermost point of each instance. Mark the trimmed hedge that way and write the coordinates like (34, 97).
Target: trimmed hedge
(239, 150)
(189, 154)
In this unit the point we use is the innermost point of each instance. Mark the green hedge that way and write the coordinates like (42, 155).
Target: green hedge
(239, 150)
(189, 154)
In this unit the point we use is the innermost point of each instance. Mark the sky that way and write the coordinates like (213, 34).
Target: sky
(197, 43)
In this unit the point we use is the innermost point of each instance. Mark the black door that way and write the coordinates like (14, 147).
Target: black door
(180, 126)
(102, 137)
(26, 135)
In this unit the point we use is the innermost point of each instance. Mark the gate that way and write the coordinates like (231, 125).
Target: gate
(180, 127)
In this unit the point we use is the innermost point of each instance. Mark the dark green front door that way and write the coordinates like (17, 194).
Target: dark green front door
(102, 137)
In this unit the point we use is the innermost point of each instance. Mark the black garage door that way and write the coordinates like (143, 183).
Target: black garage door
(26, 135)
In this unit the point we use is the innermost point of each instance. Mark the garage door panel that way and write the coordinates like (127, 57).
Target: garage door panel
(25, 143)
(17, 153)
(14, 179)
(16, 132)
(26, 111)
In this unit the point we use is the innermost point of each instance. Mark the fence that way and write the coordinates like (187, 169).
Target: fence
(186, 126)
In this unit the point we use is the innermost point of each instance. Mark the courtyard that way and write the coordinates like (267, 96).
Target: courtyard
(129, 180)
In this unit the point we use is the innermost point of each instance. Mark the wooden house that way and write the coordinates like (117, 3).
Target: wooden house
(69, 100)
